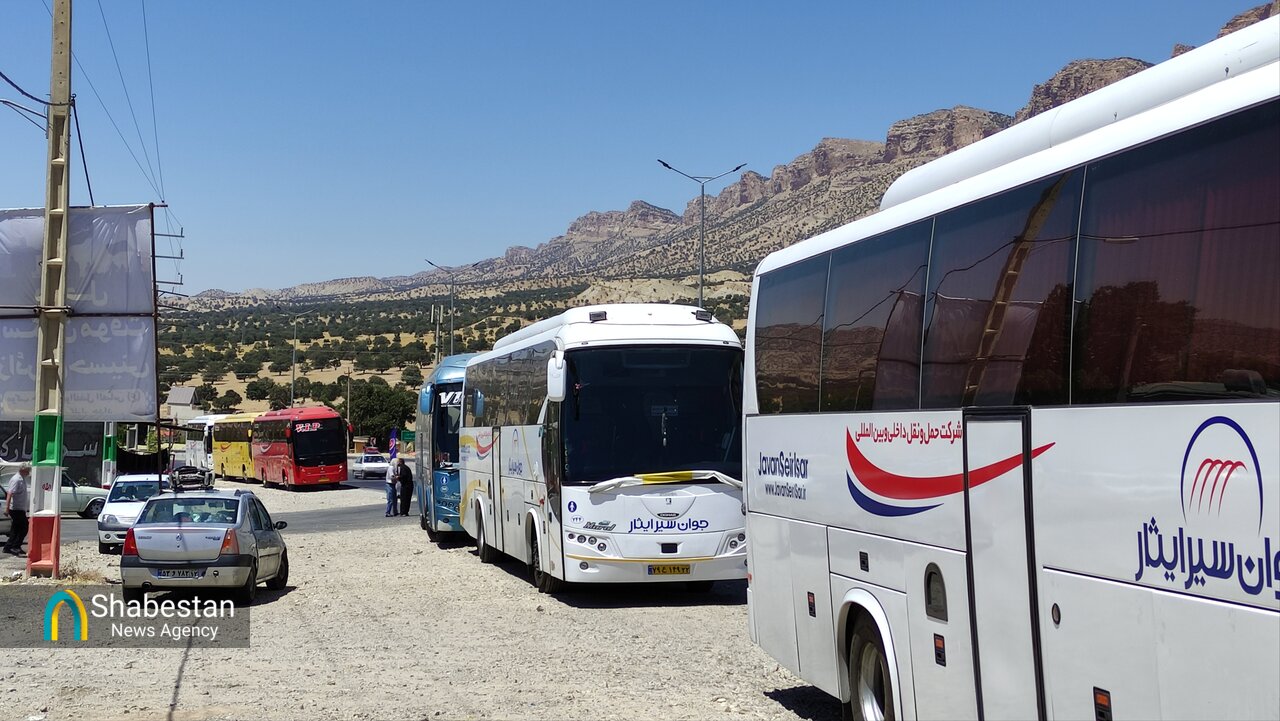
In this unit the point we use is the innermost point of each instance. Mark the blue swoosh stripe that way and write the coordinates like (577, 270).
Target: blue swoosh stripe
(871, 505)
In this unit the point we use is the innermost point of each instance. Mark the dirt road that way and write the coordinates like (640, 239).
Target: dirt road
(380, 624)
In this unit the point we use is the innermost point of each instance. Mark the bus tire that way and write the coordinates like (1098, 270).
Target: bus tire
(545, 582)
(487, 553)
(871, 691)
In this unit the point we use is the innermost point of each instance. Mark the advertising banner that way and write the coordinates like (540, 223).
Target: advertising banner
(110, 343)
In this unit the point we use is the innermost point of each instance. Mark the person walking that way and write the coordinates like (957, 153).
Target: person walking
(405, 476)
(17, 503)
(391, 491)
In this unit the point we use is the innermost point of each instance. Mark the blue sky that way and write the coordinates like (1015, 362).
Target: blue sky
(309, 141)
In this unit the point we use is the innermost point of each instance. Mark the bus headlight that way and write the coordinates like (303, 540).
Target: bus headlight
(591, 540)
(601, 548)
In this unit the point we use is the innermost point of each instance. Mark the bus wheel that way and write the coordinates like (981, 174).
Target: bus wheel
(871, 690)
(487, 553)
(545, 582)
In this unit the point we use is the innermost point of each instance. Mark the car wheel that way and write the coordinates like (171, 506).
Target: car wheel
(104, 548)
(93, 509)
(282, 575)
(246, 594)
(134, 595)
(871, 690)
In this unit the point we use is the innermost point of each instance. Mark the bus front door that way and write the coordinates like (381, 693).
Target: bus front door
(1004, 619)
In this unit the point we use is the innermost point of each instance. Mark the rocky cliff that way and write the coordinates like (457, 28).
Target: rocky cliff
(836, 182)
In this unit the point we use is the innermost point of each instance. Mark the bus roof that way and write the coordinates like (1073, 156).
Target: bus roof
(237, 418)
(301, 413)
(1240, 91)
(1227, 57)
(205, 420)
(619, 323)
(450, 369)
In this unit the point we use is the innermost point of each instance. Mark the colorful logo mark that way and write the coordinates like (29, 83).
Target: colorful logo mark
(79, 617)
(887, 484)
(1208, 468)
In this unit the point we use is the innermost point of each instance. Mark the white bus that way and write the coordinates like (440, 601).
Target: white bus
(199, 442)
(603, 446)
(1011, 442)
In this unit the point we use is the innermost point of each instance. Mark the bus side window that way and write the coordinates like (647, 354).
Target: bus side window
(935, 593)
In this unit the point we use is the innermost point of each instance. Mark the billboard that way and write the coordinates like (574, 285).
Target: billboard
(110, 342)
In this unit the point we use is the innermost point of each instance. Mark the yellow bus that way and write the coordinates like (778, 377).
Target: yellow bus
(231, 446)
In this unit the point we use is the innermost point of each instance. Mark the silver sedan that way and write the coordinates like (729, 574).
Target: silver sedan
(204, 539)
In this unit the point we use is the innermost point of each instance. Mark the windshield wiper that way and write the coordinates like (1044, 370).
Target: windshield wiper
(646, 479)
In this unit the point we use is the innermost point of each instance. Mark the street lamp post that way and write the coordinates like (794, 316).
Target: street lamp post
(293, 358)
(702, 181)
(447, 272)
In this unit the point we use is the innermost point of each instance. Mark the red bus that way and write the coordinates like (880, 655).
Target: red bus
(300, 446)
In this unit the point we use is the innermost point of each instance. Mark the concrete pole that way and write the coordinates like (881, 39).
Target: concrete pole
(46, 455)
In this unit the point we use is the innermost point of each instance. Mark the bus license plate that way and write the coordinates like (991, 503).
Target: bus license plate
(669, 569)
(180, 573)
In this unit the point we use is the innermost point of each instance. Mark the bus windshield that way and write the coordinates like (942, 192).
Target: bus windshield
(319, 442)
(652, 409)
(445, 425)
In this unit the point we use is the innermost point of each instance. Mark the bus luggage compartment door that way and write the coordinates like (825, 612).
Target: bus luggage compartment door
(1001, 553)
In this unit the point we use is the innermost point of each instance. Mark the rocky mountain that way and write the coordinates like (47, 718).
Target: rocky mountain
(836, 182)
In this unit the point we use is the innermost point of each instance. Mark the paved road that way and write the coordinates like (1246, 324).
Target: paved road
(75, 528)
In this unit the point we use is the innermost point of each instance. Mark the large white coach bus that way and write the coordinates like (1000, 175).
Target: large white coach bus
(1011, 442)
(199, 441)
(603, 446)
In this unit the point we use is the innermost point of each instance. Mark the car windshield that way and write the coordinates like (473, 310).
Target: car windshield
(375, 459)
(190, 510)
(131, 491)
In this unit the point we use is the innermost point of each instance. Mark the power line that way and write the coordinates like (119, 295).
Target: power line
(155, 131)
(21, 110)
(128, 100)
(101, 102)
(27, 95)
(80, 141)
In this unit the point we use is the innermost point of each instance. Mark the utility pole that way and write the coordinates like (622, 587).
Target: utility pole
(46, 453)
(702, 181)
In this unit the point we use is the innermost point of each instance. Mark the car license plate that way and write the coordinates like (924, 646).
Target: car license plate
(669, 569)
(180, 573)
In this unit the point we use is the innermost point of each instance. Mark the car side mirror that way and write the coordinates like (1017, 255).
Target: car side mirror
(556, 377)
(281, 525)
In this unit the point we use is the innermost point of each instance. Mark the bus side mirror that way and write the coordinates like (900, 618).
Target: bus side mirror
(555, 377)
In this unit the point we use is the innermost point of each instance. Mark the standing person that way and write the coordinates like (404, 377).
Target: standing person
(391, 491)
(405, 476)
(17, 503)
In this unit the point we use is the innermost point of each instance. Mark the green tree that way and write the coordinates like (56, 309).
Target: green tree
(244, 369)
(259, 389)
(226, 403)
(412, 376)
(278, 397)
(376, 408)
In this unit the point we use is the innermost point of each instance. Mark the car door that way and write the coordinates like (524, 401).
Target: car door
(71, 497)
(268, 538)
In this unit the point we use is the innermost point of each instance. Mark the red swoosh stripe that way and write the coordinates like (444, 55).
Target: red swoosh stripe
(484, 449)
(891, 485)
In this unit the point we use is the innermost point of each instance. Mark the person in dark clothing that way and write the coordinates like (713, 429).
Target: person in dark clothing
(405, 477)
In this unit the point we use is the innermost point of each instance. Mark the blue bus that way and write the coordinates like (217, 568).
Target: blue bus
(439, 411)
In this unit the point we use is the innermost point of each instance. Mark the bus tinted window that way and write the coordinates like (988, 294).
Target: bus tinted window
(871, 345)
(999, 298)
(789, 336)
(1177, 287)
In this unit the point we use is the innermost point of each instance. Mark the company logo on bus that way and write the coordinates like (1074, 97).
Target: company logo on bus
(1220, 484)
(867, 478)
(1220, 455)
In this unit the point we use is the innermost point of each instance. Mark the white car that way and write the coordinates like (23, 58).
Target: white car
(371, 465)
(84, 500)
(129, 493)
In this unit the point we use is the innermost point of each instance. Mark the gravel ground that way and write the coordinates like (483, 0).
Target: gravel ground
(381, 624)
